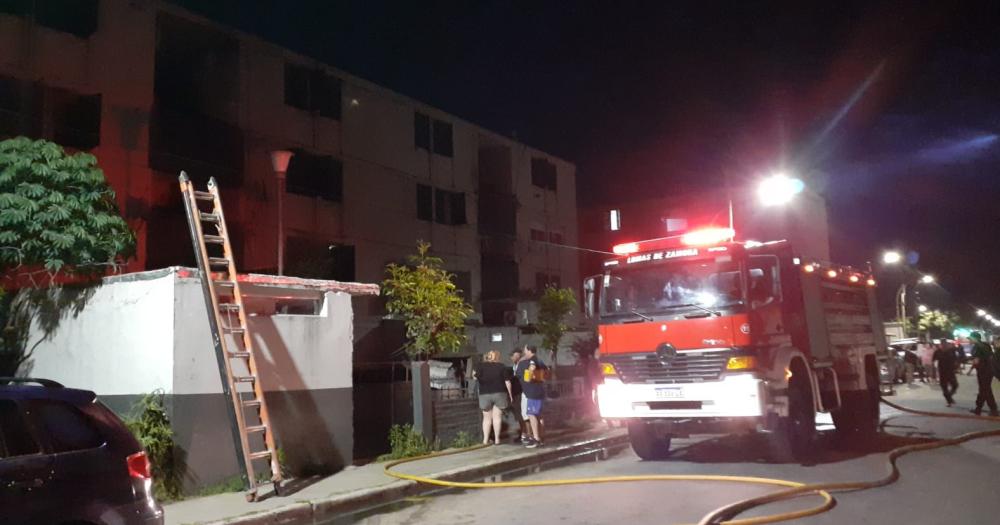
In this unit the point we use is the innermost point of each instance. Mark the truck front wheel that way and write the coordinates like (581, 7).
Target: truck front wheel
(793, 439)
(646, 444)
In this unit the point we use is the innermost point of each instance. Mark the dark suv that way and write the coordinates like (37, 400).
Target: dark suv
(65, 458)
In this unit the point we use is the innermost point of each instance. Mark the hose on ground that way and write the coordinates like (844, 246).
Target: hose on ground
(727, 514)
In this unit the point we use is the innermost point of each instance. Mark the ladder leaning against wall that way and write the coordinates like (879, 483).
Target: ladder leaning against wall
(253, 434)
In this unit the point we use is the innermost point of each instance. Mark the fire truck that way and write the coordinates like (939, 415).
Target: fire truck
(701, 334)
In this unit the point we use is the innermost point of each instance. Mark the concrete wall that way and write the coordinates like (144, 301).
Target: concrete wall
(144, 332)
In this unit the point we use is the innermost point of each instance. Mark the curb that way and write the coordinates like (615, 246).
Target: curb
(329, 507)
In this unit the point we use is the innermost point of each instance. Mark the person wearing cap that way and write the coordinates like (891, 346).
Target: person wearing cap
(982, 363)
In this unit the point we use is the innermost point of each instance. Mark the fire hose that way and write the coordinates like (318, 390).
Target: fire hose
(727, 514)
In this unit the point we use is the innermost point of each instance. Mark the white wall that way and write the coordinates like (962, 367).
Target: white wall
(121, 342)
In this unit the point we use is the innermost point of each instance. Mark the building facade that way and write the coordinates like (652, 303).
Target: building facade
(151, 89)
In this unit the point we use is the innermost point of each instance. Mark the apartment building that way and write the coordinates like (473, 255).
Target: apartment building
(152, 89)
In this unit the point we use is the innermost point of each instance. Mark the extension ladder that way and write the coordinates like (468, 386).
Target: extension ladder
(227, 318)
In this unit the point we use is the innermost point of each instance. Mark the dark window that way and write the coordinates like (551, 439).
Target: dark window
(499, 278)
(421, 131)
(15, 440)
(449, 207)
(76, 17)
(463, 281)
(297, 86)
(67, 428)
(442, 138)
(544, 280)
(538, 235)
(20, 108)
(197, 70)
(555, 237)
(315, 175)
(425, 205)
(313, 259)
(76, 119)
(543, 174)
(312, 90)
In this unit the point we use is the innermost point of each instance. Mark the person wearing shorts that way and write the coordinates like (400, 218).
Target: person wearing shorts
(533, 397)
(494, 394)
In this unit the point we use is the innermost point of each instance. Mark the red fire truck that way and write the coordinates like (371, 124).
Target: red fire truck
(702, 334)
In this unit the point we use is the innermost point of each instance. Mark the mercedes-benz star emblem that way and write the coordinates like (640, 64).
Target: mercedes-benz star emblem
(666, 352)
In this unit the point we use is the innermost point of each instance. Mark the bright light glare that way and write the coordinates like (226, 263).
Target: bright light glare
(922, 308)
(989, 317)
(980, 313)
(927, 279)
(779, 189)
(706, 299)
(625, 249)
(892, 257)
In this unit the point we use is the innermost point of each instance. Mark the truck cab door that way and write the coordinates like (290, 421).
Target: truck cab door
(764, 294)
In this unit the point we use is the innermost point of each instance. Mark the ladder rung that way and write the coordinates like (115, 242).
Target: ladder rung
(224, 284)
(208, 217)
(261, 455)
(258, 428)
(218, 261)
(251, 403)
(203, 196)
(233, 329)
(244, 379)
(214, 239)
(229, 306)
(239, 355)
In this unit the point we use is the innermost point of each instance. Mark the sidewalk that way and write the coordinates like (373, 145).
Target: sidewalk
(356, 488)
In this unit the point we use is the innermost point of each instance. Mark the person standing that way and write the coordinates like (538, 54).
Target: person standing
(982, 363)
(515, 397)
(925, 351)
(946, 358)
(494, 393)
(529, 373)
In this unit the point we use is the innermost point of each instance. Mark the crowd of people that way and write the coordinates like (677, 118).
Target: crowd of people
(943, 364)
(517, 387)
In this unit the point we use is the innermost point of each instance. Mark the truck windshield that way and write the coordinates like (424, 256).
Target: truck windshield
(659, 288)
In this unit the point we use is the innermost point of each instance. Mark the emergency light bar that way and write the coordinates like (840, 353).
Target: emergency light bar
(707, 236)
(625, 249)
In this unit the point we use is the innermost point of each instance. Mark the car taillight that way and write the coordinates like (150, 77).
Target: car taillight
(139, 466)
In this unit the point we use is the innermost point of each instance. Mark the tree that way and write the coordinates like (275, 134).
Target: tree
(936, 323)
(553, 308)
(57, 217)
(425, 296)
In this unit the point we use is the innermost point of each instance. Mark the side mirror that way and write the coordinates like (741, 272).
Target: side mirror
(590, 296)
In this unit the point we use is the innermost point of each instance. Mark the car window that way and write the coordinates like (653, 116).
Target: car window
(15, 440)
(67, 428)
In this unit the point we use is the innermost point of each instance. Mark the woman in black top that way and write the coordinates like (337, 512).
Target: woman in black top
(494, 393)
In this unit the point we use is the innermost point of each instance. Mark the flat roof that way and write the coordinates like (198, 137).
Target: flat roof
(256, 279)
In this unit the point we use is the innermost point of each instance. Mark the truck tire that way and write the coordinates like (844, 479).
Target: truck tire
(858, 416)
(645, 442)
(794, 436)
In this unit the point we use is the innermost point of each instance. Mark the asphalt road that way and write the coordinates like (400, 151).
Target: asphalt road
(958, 484)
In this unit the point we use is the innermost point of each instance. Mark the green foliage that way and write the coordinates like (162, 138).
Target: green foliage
(432, 307)
(406, 442)
(463, 439)
(57, 211)
(151, 426)
(553, 308)
(937, 323)
(230, 484)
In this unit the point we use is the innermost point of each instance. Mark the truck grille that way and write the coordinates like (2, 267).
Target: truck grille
(685, 367)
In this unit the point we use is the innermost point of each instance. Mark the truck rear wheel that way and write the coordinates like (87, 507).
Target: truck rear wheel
(646, 444)
(793, 438)
(858, 416)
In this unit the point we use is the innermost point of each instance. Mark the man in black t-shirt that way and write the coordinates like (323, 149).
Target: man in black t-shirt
(534, 394)
(946, 357)
(515, 397)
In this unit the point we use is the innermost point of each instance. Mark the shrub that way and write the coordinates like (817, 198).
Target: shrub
(463, 439)
(150, 425)
(405, 442)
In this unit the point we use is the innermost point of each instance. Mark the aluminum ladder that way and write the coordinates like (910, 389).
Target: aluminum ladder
(227, 318)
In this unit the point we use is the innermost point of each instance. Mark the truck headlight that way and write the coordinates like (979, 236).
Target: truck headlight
(742, 362)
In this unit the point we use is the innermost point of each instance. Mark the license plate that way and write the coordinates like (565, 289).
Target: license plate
(668, 393)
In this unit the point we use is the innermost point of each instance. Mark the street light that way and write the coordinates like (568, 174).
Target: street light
(279, 162)
(892, 257)
(927, 279)
(981, 313)
(922, 308)
(779, 189)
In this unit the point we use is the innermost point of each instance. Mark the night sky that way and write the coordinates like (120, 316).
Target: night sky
(891, 111)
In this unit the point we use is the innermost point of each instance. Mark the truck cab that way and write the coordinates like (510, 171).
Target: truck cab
(702, 334)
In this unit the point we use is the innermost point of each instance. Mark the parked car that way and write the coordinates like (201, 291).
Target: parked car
(66, 458)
